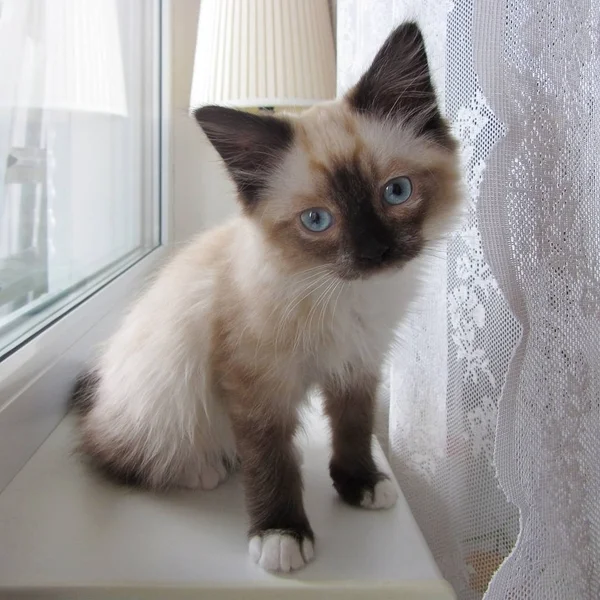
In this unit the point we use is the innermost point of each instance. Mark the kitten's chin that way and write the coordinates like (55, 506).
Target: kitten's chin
(364, 274)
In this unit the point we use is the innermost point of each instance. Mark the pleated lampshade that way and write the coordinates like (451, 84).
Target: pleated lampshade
(71, 61)
(264, 53)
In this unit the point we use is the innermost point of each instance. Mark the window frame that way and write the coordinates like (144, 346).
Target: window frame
(35, 379)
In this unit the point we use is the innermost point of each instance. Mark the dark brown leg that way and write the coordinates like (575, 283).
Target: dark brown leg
(273, 488)
(351, 411)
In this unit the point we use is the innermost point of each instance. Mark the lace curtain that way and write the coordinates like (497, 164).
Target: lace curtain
(493, 425)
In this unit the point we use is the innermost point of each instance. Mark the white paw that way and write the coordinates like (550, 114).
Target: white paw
(280, 552)
(384, 495)
(205, 478)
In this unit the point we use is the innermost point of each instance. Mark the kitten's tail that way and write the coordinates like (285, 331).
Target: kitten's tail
(84, 392)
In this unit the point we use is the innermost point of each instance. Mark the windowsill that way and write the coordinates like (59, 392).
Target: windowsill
(65, 533)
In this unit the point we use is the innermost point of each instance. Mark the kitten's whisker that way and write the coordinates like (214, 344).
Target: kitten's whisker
(308, 277)
(319, 333)
(326, 307)
(321, 319)
(302, 327)
(311, 287)
(341, 290)
(315, 307)
(324, 267)
(435, 253)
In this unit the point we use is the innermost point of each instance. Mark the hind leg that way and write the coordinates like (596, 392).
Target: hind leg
(145, 459)
(203, 477)
(214, 457)
(154, 443)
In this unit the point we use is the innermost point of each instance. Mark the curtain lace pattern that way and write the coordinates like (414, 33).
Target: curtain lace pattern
(493, 424)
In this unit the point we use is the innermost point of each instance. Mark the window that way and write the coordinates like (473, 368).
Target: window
(79, 152)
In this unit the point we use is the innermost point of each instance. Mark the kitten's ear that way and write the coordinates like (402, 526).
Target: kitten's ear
(251, 145)
(397, 85)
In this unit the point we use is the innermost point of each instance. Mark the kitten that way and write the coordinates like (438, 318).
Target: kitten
(304, 289)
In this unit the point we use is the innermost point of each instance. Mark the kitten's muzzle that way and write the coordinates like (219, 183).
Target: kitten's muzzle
(373, 256)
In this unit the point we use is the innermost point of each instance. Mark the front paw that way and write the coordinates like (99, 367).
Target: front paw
(281, 550)
(367, 489)
(383, 495)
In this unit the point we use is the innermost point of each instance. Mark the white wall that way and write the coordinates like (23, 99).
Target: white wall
(203, 195)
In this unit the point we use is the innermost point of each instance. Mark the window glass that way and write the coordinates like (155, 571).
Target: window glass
(79, 152)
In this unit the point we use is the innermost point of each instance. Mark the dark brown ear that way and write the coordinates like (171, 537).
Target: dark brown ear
(251, 145)
(397, 85)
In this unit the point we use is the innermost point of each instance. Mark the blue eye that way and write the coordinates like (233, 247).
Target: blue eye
(397, 190)
(316, 219)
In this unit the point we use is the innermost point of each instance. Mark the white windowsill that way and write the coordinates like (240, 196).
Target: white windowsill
(66, 533)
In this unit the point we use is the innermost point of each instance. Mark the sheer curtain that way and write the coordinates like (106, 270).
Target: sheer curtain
(493, 425)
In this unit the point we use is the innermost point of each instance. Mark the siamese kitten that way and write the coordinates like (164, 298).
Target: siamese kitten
(303, 290)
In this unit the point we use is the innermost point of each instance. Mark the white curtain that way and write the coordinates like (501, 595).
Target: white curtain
(494, 408)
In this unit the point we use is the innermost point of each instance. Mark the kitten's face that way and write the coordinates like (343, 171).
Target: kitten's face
(360, 185)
